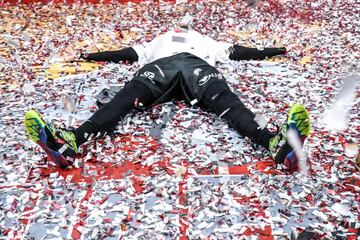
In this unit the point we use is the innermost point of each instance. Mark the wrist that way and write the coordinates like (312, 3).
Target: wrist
(83, 55)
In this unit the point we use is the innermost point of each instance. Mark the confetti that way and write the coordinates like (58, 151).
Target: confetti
(176, 171)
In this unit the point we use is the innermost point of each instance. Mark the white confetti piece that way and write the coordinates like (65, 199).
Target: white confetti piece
(341, 209)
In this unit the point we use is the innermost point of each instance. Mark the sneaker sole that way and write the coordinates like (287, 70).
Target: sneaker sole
(35, 127)
(299, 118)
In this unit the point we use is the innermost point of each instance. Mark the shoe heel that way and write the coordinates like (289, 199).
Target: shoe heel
(54, 156)
(291, 162)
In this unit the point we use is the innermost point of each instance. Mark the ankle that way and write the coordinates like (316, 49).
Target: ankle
(85, 132)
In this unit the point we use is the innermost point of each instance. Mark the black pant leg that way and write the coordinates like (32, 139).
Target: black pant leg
(219, 98)
(107, 117)
(135, 92)
(155, 82)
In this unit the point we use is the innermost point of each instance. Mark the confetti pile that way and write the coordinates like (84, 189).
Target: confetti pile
(176, 171)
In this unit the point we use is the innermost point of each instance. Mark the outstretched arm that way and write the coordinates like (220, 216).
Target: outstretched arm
(243, 53)
(125, 54)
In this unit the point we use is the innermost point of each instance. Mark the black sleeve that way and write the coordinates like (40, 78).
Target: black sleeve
(243, 53)
(125, 54)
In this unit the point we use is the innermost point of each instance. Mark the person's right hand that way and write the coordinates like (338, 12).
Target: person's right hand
(69, 55)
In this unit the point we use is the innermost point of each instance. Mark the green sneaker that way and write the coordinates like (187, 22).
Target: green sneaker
(281, 151)
(57, 144)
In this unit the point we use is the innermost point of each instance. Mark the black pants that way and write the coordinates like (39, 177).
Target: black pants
(188, 77)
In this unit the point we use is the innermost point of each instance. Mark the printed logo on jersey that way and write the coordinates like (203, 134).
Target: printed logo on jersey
(148, 75)
(206, 78)
(178, 39)
(197, 71)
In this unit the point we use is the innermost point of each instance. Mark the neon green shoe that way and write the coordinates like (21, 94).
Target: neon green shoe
(281, 151)
(57, 144)
(299, 118)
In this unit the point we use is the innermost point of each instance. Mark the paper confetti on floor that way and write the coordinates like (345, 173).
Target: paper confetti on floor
(176, 171)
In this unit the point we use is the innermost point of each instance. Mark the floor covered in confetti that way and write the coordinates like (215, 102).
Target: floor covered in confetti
(176, 171)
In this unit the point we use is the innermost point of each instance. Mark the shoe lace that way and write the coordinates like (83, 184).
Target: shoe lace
(65, 135)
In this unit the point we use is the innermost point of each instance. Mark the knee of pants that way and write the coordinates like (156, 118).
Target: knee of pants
(224, 101)
(216, 89)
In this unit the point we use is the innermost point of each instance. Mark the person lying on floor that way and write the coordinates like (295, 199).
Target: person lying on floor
(179, 64)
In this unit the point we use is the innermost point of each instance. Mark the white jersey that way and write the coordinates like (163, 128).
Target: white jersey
(181, 40)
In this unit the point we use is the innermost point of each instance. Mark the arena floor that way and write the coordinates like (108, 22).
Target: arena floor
(176, 171)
